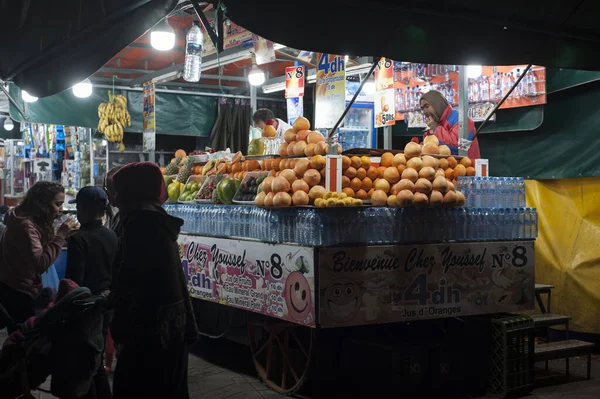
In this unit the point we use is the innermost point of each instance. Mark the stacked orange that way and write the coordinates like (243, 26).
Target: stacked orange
(293, 182)
(301, 141)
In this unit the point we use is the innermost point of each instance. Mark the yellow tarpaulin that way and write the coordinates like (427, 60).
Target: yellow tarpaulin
(568, 247)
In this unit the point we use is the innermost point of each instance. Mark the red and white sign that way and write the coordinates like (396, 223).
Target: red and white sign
(294, 81)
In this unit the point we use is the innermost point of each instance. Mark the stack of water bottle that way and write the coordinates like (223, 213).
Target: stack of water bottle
(361, 225)
(495, 209)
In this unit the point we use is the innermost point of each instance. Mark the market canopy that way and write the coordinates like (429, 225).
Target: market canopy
(48, 46)
(558, 33)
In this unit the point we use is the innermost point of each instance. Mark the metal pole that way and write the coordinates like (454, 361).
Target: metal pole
(463, 106)
(22, 111)
(253, 99)
(185, 92)
(387, 137)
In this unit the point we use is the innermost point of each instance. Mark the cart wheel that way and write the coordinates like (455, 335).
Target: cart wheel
(282, 353)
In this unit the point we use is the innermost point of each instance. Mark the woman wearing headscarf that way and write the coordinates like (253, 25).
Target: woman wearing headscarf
(153, 318)
(442, 121)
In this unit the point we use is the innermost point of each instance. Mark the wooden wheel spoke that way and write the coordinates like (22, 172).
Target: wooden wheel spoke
(262, 348)
(299, 344)
(284, 355)
(269, 354)
(284, 373)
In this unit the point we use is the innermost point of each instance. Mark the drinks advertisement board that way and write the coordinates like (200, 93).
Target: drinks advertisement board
(383, 284)
(330, 99)
(273, 280)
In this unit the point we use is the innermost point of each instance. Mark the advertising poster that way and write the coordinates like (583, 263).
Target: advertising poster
(263, 50)
(233, 36)
(294, 81)
(295, 108)
(384, 284)
(149, 115)
(385, 114)
(330, 100)
(273, 280)
(486, 90)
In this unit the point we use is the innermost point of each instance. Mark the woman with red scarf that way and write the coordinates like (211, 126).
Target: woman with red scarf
(442, 121)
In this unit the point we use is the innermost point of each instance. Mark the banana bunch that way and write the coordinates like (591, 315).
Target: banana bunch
(114, 117)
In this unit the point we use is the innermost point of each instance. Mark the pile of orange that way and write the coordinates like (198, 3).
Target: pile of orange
(301, 141)
(293, 182)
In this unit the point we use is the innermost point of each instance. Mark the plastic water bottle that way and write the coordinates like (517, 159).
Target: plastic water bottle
(193, 54)
(534, 223)
(521, 190)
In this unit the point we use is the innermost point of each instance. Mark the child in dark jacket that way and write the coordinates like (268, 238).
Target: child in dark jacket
(90, 256)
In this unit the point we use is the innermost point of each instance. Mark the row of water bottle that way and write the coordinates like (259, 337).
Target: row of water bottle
(492, 192)
(268, 225)
(495, 224)
(362, 226)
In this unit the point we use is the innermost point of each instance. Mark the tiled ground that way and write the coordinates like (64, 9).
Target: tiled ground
(222, 369)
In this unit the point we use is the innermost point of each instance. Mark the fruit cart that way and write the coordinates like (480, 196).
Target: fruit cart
(402, 236)
(303, 290)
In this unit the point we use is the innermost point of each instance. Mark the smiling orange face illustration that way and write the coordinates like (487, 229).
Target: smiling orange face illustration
(342, 300)
(297, 296)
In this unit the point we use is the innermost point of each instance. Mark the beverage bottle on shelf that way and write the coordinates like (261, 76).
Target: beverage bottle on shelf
(451, 93)
(519, 89)
(531, 84)
(505, 84)
(491, 81)
(522, 223)
(193, 54)
(418, 95)
(471, 96)
(484, 88)
(511, 83)
(498, 86)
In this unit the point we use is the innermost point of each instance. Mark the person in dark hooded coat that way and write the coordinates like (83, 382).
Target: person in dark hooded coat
(153, 320)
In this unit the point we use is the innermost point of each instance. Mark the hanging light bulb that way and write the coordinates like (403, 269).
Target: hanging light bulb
(473, 71)
(28, 98)
(162, 36)
(83, 89)
(256, 76)
(8, 124)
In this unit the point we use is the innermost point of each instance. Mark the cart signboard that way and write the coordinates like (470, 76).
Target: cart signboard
(330, 97)
(383, 284)
(273, 280)
(149, 115)
(385, 114)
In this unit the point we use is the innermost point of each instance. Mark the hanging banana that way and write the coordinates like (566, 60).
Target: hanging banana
(113, 118)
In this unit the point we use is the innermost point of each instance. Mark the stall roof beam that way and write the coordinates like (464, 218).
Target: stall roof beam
(126, 71)
(228, 56)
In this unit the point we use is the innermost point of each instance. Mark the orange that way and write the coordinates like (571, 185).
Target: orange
(361, 173)
(345, 181)
(365, 161)
(361, 194)
(470, 171)
(355, 184)
(345, 162)
(367, 184)
(269, 131)
(180, 154)
(350, 172)
(381, 171)
(449, 173)
(372, 173)
(349, 192)
(355, 162)
(387, 159)
(460, 170)
(301, 124)
(236, 167)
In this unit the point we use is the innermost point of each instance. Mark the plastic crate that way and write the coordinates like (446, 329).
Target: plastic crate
(512, 364)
